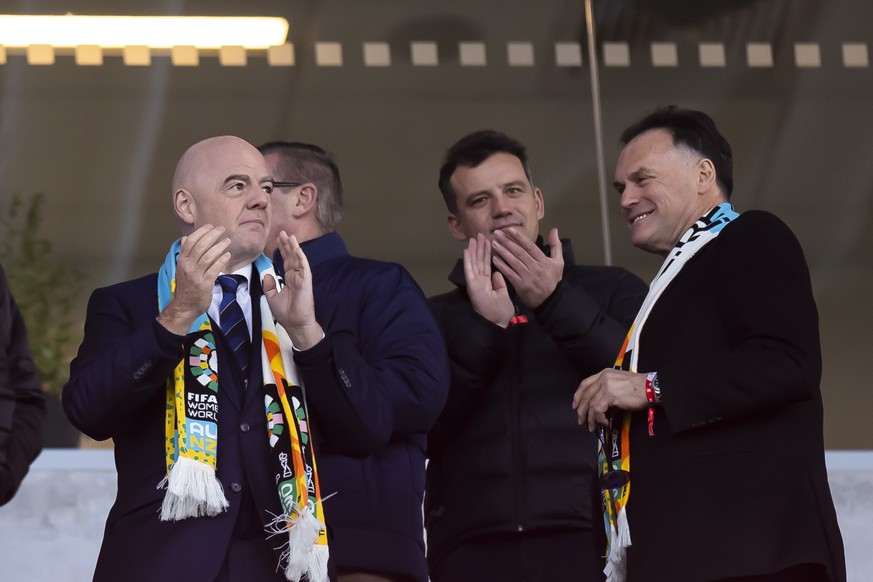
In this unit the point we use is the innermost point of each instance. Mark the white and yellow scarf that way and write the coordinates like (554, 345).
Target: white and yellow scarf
(191, 442)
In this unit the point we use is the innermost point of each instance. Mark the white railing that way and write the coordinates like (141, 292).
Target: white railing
(51, 531)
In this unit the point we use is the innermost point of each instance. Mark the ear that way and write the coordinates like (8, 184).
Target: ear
(706, 179)
(540, 203)
(185, 206)
(455, 228)
(307, 198)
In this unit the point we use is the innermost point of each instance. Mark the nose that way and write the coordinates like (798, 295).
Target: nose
(629, 198)
(500, 206)
(258, 198)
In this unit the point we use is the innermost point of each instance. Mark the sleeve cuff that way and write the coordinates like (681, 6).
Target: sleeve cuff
(167, 341)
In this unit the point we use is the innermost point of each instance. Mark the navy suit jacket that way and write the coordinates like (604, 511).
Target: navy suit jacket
(374, 385)
(117, 390)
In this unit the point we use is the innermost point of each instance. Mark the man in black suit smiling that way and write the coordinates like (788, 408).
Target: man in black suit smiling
(719, 381)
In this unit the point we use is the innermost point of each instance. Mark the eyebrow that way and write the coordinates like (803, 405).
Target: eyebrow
(487, 191)
(521, 183)
(633, 176)
(235, 177)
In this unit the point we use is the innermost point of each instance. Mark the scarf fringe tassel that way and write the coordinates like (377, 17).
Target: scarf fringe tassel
(192, 491)
(302, 554)
(619, 541)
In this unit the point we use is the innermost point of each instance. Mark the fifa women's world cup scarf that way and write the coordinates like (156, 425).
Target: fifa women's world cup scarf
(618, 457)
(191, 442)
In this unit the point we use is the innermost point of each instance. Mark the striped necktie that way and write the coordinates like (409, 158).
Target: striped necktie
(233, 322)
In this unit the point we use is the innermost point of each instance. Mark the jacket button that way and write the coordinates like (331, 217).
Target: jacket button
(235, 487)
(245, 427)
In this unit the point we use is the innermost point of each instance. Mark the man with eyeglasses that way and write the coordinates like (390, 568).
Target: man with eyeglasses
(375, 369)
(715, 412)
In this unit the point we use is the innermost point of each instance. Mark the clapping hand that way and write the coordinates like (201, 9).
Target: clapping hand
(294, 306)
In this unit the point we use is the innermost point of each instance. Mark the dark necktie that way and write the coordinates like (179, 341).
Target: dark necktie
(233, 322)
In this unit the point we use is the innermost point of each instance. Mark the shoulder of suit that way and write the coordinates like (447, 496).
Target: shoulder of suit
(756, 221)
(144, 282)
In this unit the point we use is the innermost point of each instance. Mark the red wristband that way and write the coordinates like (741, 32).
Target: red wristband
(650, 392)
(517, 319)
(650, 397)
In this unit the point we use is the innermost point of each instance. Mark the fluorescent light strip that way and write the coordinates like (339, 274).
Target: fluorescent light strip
(202, 32)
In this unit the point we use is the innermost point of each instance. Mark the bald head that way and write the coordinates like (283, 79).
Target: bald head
(224, 181)
(197, 159)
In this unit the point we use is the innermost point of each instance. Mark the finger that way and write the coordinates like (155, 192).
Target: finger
(471, 256)
(601, 419)
(286, 250)
(498, 283)
(474, 267)
(302, 261)
(582, 411)
(190, 241)
(469, 268)
(518, 237)
(519, 244)
(484, 247)
(592, 419)
(202, 245)
(512, 254)
(585, 391)
(212, 273)
(580, 391)
(213, 253)
(555, 245)
(511, 274)
(269, 286)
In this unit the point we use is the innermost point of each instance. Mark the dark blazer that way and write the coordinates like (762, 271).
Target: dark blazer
(22, 404)
(117, 390)
(733, 483)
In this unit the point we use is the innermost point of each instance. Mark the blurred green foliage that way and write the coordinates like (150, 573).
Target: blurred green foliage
(44, 288)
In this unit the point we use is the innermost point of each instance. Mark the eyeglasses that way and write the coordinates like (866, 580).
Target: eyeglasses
(617, 478)
(286, 184)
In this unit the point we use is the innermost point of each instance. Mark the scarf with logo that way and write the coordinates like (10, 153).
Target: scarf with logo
(191, 439)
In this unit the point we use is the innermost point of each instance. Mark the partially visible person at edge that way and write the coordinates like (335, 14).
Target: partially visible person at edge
(722, 429)
(511, 480)
(188, 373)
(22, 404)
(381, 371)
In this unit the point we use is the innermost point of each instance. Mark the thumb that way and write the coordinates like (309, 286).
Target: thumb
(555, 245)
(498, 283)
(269, 286)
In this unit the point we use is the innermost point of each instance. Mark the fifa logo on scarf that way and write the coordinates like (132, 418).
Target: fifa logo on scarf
(614, 438)
(310, 483)
(286, 470)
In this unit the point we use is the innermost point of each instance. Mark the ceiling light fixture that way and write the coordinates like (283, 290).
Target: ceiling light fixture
(203, 32)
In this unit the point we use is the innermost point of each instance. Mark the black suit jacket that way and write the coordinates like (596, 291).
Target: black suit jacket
(117, 390)
(733, 483)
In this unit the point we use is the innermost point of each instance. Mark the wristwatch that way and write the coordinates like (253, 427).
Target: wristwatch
(652, 378)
